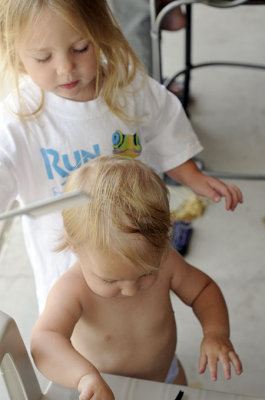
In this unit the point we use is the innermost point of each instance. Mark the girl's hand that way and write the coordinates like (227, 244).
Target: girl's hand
(214, 189)
(93, 386)
(216, 348)
(188, 174)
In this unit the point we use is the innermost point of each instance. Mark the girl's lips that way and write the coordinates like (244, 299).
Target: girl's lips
(70, 85)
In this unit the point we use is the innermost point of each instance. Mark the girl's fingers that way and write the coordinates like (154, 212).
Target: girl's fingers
(222, 190)
(236, 195)
(234, 199)
(239, 194)
(231, 193)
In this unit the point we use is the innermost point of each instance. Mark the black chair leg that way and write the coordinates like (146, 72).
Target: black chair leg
(188, 51)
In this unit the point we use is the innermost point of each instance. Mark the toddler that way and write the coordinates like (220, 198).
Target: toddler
(111, 311)
(81, 92)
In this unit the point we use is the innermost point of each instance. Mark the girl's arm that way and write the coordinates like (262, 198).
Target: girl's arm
(188, 174)
(53, 352)
(200, 292)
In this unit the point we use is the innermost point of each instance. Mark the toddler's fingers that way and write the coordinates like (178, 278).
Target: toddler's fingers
(236, 362)
(202, 363)
(212, 362)
(225, 361)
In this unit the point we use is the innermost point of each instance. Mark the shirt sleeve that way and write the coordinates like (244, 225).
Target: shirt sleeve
(169, 137)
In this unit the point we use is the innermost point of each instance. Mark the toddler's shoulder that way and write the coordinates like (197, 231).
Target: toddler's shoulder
(71, 281)
(174, 263)
(68, 291)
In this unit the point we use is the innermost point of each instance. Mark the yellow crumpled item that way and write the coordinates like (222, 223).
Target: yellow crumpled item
(190, 209)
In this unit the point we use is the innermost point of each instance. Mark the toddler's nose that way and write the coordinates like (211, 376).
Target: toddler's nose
(129, 288)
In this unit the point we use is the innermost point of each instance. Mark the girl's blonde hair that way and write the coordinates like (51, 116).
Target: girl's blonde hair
(128, 212)
(116, 61)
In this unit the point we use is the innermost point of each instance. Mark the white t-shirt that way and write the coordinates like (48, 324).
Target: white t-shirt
(38, 153)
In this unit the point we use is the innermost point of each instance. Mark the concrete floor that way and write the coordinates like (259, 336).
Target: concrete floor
(228, 113)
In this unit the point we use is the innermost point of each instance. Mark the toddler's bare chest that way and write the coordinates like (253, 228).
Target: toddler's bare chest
(110, 321)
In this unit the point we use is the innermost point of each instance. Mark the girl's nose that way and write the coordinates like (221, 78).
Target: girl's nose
(129, 288)
(65, 66)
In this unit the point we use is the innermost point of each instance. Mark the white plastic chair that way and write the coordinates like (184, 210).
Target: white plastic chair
(17, 370)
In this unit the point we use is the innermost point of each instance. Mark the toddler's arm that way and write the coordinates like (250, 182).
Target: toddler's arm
(55, 356)
(188, 174)
(199, 291)
(210, 308)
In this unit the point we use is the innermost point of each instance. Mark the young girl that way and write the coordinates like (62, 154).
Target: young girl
(81, 92)
(111, 311)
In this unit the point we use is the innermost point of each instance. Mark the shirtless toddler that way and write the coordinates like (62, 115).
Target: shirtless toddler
(111, 311)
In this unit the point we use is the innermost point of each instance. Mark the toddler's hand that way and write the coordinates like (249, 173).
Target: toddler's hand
(214, 190)
(216, 348)
(93, 386)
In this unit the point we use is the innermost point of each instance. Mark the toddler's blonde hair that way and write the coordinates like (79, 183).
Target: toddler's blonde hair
(116, 61)
(128, 212)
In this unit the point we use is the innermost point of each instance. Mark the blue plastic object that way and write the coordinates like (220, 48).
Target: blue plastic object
(181, 234)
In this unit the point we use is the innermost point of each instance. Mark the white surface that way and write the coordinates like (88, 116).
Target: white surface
(135, 389)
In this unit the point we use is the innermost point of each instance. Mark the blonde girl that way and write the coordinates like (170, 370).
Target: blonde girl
(115, 61)
(80, 92)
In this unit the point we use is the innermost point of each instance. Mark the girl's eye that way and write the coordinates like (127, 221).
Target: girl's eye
(83, 50)
(43, 60)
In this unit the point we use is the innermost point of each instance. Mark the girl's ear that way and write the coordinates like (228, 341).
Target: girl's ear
(70, 244)
(73, 248)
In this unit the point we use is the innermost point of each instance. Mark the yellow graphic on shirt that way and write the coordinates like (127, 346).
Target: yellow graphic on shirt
(126, 145)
